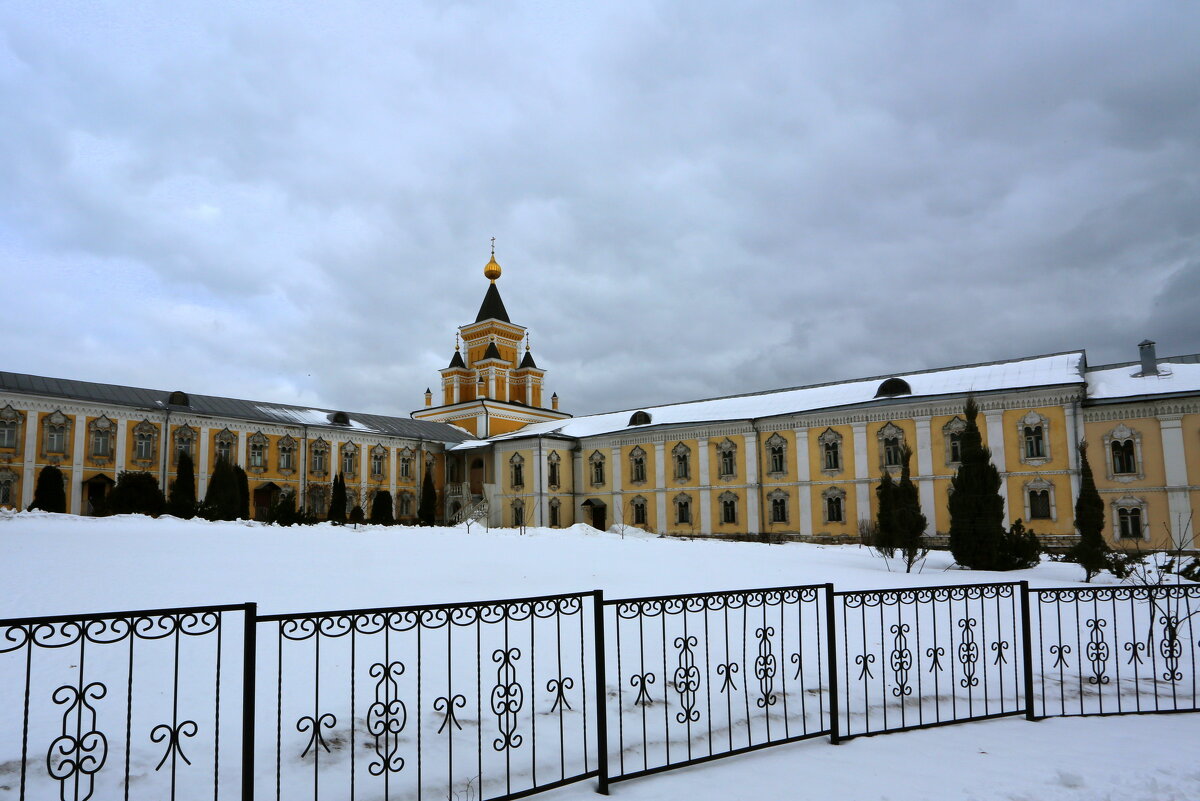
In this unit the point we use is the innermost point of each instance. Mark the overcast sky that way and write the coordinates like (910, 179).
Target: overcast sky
(293, 202)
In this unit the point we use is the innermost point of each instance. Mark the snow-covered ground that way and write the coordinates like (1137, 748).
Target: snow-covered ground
(54, 564)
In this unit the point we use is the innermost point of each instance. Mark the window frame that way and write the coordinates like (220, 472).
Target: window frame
(831, 497)
(1027, 429)
(830, 442)
(681, 457)
(727, 460)
(777, 461)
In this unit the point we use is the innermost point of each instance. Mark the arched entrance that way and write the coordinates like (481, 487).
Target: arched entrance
(95, 494)
(265, 496)
(477, 476)
(597, 512)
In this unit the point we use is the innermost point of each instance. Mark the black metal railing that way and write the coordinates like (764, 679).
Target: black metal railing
(695, 677)
(126, 704)
(928, 656)
(473, 701)
(502, 699)
(1114, 650)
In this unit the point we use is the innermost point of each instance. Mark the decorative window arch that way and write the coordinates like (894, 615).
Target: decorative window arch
(596, 462)
(101, 434)
(349, 459)
(555, 513)
(184, 442)
(379, 460)
(776, 456)
(259, 447)
(952, 438)
(318, 499)
(1129, 519)
(777, 501)
(318, 457)
(516, 471)
(1034, 436)
(830, 443)
(518, 513)
(891, 445)
(56, 430)
(637, 465)
(8, 487)
(729, 508)
(553, 470)
(683, 509)
(1123, 452)
(833, 505)
(145, 442)
(287, 454)
(681, 455)
(10, 427)
(224, 441)
(726, 459)
(406, 462)
(406, 503)
(640, 513)
(1039, 500)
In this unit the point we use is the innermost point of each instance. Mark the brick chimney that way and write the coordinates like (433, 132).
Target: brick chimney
(1149, 360)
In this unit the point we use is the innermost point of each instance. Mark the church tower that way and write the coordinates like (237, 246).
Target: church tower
(492, 384)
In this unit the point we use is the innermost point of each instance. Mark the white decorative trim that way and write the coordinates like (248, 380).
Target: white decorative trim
(182, 435)
(553, 470)
(831, 439)
(108, 426)
(596, 472)
(1039, 484)
(725, 498)
(639, 502)
(684, 500)
(318, 447)
(1032, 420)
(636, 456)
(516, 471)
(286, 443)
(1129, 502)
(378, 452)
(776, 443)
(149, 431)
(890, 431)
(258, 440)
(681, 450)
(953, 428)
(727, 457)
(772, 497)
(829, 494)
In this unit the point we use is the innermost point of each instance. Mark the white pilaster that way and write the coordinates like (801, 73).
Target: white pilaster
(577, 484)
(618, 497)
(392, 474)
(660, 483)
(925, 471)
(122, 444)
(804, 490)
(995, 442)
(241, 448)
(75, 499)
(28, 475)
(1071, 413)
(540, 498)
(705, 500)
(862, 475)
(1178, 506)
(202, 463)
(753, 490)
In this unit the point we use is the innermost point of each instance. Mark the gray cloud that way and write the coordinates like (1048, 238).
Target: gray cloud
(293, 202)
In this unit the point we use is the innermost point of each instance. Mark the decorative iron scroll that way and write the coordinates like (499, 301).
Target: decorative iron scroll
(386, 718)
(507, 698)
(687, 680)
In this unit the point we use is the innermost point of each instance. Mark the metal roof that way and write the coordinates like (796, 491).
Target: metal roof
(492, 307)
(214, 406)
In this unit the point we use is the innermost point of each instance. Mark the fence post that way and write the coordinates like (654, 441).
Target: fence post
(831, 658)
(1027, 648)
(601, 696)
(249, 677)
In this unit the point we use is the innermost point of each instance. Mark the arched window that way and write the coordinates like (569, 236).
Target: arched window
(637, 465)
(54, 433)
(1039, 500)
(518, 513)
(1129, 519)
(727, 459)
(224, 441)
(318, 457)
(8, 487)
(639, 510)
(516, 471)
(102, 430)
(259, 445)
(830, 443)
(639, 419)
(597, 465)
(339, 418)
(555, 513)
(952, 435)
(729, 508)
(893, 387)
(287, 454)
(891, 445)
(10, 423)
(145, 440)
(682, 456)
(1035, 442)
(776, 456)
(833, 505)
(683, 509)
(1124, 454)
(406, 504)
(318, 501)
(779, 506)
(406, 463)
(350, 459)
(553, 462)
(185, 442)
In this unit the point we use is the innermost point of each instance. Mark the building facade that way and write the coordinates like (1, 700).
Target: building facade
(800, 462)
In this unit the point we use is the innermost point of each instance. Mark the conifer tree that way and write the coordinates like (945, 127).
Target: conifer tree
(221, 499)
(242, 483)
(356, 515)
(337, 501)
(908, 523)
(49, 494)
(182, 500)
(427, 508)
(381, 508)
(885, 520)
(136, 493)
(976, 506)
(1092, 552)
(283, 511)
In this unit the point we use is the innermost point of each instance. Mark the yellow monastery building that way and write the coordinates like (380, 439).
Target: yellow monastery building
(801, 462)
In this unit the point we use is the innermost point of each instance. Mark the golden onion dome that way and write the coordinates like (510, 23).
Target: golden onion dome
(491, 270)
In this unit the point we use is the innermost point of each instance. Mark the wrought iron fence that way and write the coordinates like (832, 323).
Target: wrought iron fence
(503, 699)
(126, 705)
(461, 701)
(1114, 650)
(696, 677)
(928, 656)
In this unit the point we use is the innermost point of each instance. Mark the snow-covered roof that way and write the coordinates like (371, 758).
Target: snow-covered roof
(1126, 381)
(1038, 371)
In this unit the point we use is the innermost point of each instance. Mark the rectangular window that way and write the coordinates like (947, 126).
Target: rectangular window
(8, 435)
(833, 460)
(318, 461)
(101, 443)
(956, 447)
(1039, 504)
(833, 507)
(729, 511)
(144, 447)
(554, 516)
(552, 472)
(778, 464)
(727, 464)
(405, 505)
(683, 512)
(518, 475)
(778, 510)
(257, 456)
(891, 452)
(405, 467)
(1123, 459)
(598, 472)
(1129, 523)
(683, 468)
(56, 439)
(639, 514)
(6, 493)
(286, 457)
(1034, 444)
(518, 514)
(377, 464)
